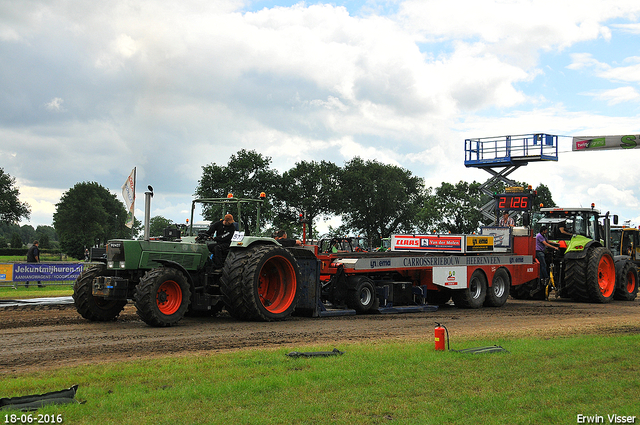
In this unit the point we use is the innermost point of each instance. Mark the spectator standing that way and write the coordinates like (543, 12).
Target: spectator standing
(33, 256)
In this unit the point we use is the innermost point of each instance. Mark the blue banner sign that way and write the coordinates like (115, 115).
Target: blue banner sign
(46, 271)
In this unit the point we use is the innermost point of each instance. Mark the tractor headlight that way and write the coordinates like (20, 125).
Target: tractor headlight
(109, 264)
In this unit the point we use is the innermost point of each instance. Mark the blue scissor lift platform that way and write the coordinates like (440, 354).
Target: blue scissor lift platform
(502, 155)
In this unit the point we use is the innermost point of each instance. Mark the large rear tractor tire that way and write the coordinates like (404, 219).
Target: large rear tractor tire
(626, 281)
(575, 277)
(260, 283)
(474, 295)
(96, 309)
(162, 297)
(363, 295)
(499, 292)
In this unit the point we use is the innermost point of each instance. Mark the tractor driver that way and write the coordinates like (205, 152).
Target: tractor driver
(281, 237)
(223, 230)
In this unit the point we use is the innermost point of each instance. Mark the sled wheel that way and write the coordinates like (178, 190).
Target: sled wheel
(474, 295)
(499, 292)
(363, 296)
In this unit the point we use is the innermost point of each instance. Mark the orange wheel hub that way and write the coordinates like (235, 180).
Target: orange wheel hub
(277, 284)
(169, 297)
(606, 276)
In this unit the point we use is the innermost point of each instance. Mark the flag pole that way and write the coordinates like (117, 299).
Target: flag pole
(133, 213)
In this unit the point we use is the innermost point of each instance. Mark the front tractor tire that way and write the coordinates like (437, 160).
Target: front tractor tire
(260, 283)
(162, 297)
(92, 308)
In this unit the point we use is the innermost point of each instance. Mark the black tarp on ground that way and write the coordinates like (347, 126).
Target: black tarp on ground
(34, 402)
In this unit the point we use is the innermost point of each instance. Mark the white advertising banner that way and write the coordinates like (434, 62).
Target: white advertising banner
(592, 143)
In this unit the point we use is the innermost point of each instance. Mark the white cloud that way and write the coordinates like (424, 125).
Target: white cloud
(629, 73)
(619, 95)
(169, 87)
(517, 26)
(583, 60)
(55, 105)
(612, 196)
(628, 28)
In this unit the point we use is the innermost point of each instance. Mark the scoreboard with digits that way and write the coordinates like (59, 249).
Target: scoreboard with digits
(514, 201)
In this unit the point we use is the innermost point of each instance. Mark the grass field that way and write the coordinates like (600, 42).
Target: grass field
(538, 381)
(51, 289)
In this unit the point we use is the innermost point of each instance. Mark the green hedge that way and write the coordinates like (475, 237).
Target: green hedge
(23, 251)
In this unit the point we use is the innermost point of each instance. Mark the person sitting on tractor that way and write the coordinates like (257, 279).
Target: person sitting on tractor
(223, 230)
(281, 237)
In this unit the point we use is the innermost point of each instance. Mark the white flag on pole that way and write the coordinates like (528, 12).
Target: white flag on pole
(129, 195)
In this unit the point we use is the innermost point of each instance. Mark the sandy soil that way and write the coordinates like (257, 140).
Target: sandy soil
(36, 338)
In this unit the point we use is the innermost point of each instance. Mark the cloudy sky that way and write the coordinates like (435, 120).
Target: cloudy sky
(89, 90)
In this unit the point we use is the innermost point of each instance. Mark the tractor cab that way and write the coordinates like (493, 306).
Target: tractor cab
(625, 241)
(334, 245)
(565, 224)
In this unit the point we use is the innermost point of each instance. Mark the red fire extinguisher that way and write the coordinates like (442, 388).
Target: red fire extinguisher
(440, 336)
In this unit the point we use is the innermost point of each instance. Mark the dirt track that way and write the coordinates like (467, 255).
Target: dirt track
(55, 336)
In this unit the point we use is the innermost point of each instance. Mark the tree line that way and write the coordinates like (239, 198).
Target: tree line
(12, 210)
(372, 199)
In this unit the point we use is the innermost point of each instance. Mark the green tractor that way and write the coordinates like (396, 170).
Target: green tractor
(583, 268)
(625, 245)
(174, 276)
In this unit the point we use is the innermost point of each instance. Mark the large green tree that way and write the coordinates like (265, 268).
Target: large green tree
(458, 207)
(157, 225)
(16, 241)
(378, 199)
(543, 196)
(88, 214)
(46, 235)
(11, 209)
(27, 233)
(246, 175)
(309, 189)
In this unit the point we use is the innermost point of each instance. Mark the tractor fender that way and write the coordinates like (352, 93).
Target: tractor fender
(173, 264)
(580, 255)
(248, 241)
